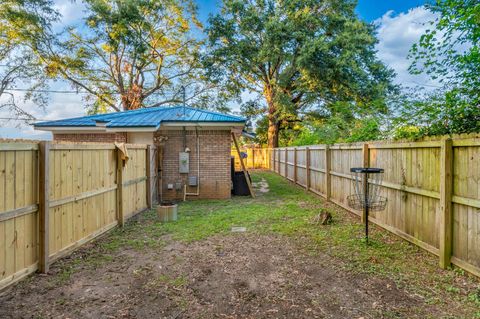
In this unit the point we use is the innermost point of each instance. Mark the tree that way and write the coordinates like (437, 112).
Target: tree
(299, 55)
(22, 22)
(449, 51)
(130, 54)
(440, 112)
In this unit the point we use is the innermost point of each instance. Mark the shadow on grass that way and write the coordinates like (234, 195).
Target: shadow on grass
(288, 210)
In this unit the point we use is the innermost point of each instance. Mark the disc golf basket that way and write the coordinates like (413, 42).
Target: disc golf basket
(367, 182)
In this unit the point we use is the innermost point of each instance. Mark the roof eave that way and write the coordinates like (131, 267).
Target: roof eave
(183, 123)
(132, 129)
(68, 128)
(136, 128)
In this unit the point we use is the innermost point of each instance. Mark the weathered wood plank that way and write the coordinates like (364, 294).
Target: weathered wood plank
(44, 206)
(135, 181)
(17, 212)
(120, 208)
(84, 195)
(412, 183)
(62, 146)
(18, 146)
(416, 145)
(150, 185)
(328, 173)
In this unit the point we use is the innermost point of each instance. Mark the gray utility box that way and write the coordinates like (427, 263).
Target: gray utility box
(192, 181)
(183, 162)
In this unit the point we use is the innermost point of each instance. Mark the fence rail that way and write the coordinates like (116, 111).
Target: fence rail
(432, 189)
(56, 197)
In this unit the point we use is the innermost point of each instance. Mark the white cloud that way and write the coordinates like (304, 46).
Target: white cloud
(397, 33)
(71, 12)
(61, 105)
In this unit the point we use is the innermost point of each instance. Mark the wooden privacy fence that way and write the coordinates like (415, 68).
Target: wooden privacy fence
(432, 189)
(56, 197)
(257, 158)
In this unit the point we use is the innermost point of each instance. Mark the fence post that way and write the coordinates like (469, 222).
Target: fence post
(307, 167)
(253, 158)
(268, 158)
(120, 212)
(286, 163)
(277, 160)
(273, 162)
(365, 163)
(44, 205)
(295, 165)
(446, 216)
(328, 177)
(149, 177)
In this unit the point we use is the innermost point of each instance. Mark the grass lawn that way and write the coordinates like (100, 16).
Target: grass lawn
(285, 265)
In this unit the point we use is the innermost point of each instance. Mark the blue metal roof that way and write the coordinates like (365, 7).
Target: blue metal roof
(146, 117)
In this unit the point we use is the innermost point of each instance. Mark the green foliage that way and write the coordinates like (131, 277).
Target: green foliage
(289, 212)
(340, 124)
(409, 132)
(449, 52)
(140, 49)
(367, 129)
(130, 54)
(336, 130)
(437, 113)
(23, 23)
(298, 56)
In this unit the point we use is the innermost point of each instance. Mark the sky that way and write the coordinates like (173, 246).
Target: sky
(400, 23)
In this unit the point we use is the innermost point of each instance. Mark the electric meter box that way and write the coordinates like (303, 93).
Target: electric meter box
(183, 162)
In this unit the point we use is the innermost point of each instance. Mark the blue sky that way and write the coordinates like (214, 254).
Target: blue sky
(368, 10)
(399, 25)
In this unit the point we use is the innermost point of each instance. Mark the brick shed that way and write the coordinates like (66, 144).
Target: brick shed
(193, 146)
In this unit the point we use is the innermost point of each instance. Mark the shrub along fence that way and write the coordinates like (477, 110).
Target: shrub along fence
(432, 188)
(56, 197)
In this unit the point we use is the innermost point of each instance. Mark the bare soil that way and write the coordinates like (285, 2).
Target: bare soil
(239, 275)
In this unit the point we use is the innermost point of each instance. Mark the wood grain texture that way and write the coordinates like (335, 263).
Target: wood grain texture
(56, 197)
(417, 184)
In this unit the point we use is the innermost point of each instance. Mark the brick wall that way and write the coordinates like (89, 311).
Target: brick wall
(215, 145)
(90, 137)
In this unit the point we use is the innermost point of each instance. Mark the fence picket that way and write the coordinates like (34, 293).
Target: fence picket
(56, 197)
(433, 199)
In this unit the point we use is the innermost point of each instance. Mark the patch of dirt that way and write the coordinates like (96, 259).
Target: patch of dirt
(241, 275)
(261, 186)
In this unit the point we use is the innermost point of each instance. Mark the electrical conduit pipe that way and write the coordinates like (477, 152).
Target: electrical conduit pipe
(197, 193)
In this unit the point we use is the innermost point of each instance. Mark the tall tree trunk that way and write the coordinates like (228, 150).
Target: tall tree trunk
(273, 130)
(273, 124)
(133, 98)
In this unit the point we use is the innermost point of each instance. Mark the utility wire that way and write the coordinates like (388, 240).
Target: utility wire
(46, 91)
(71, 92)
(20, 119)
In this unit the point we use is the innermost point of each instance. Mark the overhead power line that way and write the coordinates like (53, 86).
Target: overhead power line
(73, 92)
(47, 91)
(20, 119)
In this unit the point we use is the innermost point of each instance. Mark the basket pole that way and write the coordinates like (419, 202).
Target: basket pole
(366, 205)
(366, 164)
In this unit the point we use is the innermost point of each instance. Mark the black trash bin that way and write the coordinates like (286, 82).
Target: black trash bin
(240, 186)
(232, 167)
